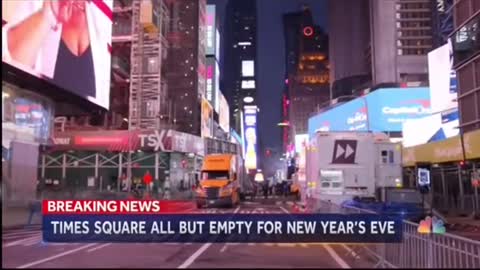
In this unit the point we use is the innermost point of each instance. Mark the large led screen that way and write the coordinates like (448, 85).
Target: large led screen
(211, 30)
(442, 78)
(250, 137)
(432, 128)
(224, 113)
(382, 110)
(248, 68)
(207, 119)
(65, 42)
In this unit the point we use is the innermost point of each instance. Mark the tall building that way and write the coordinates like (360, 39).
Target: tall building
(466, 61)
(240, 78)
(307, 77)
(187, 64)
(240, 57)
(365, 53)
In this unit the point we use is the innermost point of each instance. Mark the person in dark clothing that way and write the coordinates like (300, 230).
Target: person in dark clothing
(265, 189)
(285, 189)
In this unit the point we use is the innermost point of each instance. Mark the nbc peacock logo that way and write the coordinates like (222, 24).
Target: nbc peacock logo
(431, 225)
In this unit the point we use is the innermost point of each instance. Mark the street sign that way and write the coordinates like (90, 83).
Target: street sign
(423, 177)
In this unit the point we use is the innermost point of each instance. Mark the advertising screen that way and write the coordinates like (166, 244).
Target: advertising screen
(250, 133)
(300, 141)
(211, 30)
(382, 110)
(248, 84)
(67, 43)
(349, 116)
(212, 82)
(442, 79)
(216, 88)
(224, 113)
(248, 68)
(207, 119)
(217, 45)
(210, 79)
(432, 128)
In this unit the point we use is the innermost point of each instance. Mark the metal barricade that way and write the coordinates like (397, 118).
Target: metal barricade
(419, 250)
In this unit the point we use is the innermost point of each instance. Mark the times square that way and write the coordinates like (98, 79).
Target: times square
(246, 115)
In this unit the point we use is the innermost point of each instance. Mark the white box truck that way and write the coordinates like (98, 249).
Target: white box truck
(344, 165)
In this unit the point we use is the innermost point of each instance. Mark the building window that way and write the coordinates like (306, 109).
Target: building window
(466, 41)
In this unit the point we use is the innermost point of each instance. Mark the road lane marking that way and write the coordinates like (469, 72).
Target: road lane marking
(236, 210)
(18, 242)
(56, 256)
(304, 245)
(335, 256)
(194, 256)
(32, 242)
(6, 237)
(98, 247)
(284, 210)
(350, 251)
(223, 248)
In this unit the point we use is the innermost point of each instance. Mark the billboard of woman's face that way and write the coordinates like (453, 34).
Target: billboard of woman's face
(66, 42)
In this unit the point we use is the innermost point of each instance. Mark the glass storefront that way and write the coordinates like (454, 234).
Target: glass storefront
(26, 116)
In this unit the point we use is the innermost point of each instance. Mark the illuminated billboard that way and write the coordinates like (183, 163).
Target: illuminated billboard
(224, 113)
(248, 84)
(213, 82)
(250, 136)
(442, 79)
(301, 140)
(217, 45)
(248, 68)
(211, 31)
(432, 128)
(48, 46)
(207, 119)
(382, 110)
(216, 88)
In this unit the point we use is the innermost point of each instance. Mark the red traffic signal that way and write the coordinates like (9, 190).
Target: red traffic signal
(268, 153)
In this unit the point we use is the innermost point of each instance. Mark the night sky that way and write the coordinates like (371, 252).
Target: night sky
(271, 58)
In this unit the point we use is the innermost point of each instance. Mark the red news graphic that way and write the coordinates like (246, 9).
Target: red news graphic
(103, 207)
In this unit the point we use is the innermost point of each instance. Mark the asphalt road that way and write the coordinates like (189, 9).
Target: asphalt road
(23, 248)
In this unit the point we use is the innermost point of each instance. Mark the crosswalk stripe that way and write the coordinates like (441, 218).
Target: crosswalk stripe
(8, 237)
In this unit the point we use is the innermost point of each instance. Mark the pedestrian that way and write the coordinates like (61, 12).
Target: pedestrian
(147, 180)
(265, 189)
(285, 189)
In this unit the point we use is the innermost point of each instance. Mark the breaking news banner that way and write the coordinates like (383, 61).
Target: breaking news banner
(155, 221)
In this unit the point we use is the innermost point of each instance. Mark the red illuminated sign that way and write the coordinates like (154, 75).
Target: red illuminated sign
(308, 31)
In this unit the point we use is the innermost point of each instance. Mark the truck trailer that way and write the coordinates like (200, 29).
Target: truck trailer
(341, 166)
(223, 181)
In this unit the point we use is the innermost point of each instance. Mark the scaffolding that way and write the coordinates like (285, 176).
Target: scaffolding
(149, 48)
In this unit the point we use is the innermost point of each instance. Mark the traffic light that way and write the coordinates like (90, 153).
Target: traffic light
(268, 153)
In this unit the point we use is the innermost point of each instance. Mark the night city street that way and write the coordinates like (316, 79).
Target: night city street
(240, 134)
(23, 248)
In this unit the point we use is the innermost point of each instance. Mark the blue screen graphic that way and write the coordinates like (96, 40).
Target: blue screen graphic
(382, 110)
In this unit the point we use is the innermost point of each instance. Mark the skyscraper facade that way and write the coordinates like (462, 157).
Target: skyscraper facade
(187, 64)
(240, 57)
(307, 75)
(466, 61)
(365, 53)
